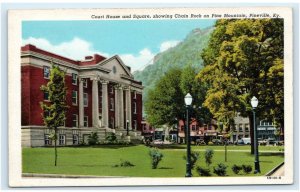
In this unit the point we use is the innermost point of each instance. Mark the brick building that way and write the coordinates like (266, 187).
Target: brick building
(102, 96)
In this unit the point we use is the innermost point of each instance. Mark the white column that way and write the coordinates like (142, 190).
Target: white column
(121, 108)
(117, 117)
(104, 103)
(128, 107)
(81, 108)
(95, 106)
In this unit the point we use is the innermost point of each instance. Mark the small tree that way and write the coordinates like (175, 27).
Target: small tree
(236, 169)
(220, 170)
(247, 168)
(55, 109)
(156, 157)
(194, 158)
(208, 156)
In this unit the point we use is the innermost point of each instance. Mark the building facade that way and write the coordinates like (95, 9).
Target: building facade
(102, 96)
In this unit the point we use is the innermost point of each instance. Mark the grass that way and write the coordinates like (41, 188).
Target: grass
(100, 161)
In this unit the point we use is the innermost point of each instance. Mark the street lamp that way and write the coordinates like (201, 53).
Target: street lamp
(254, 103)
(188, 101)
(127, 125)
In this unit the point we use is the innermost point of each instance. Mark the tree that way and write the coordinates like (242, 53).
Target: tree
(244, 58)
(165, 101)
(55, 109)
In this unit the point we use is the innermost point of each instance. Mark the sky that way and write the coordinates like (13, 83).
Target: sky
(135, 41)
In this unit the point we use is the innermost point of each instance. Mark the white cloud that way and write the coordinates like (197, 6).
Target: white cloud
(75, 49)
(78, 48)
(167, 45)
(139, 61)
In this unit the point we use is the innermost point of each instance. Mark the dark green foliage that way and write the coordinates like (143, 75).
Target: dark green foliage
(111, 137)
(208, 156)
(124, 163)
(244, 58)
(247, 168)
(236, 169)
(194, 158)
(156, 156)
(220, 170)
(203, 171)
(93, 138)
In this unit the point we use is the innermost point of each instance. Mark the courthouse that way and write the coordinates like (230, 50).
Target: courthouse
(102, 96)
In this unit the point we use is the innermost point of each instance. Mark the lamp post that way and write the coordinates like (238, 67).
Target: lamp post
(188, 101)
(254, 103)
(127, 125)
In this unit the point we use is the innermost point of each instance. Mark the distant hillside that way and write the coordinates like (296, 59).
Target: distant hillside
(186, 52)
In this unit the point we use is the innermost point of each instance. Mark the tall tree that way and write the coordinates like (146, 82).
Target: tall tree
(55, 108)
(165, 101)
(244, 57)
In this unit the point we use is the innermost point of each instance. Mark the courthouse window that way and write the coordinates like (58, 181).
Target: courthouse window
(85, 121)
(75, 120)
(134, 107)
(74, 97)
(46, 95)
(85, 99)
(62, 139)
(47, 139)
(46, 72)
(111, 106)
(75, 139)
(85, 83)
(74, 79)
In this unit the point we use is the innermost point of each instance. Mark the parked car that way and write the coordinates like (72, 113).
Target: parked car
(272, 141)
(247, 141)
(263, 142)
(158, 142)
(239, 142)
(217, 142)
(200, 142)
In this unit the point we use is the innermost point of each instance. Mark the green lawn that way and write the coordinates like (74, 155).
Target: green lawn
(101, 159)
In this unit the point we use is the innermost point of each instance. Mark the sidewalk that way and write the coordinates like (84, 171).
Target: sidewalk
(279, 171)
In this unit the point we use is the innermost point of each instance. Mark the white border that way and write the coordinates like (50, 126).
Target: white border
(14, 105)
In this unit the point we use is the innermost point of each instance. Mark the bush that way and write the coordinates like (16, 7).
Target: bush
(194, 158)
(210, 143)
(203, 171)
(220, 170)
(247, 168)
(111, 137)
(236, 169)
(93, 138)
(156, 157)
(124, 164)
(208, 156)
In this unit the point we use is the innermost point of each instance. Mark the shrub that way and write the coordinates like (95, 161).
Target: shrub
(93, 138)
(203, 171)
(247, 168)
(208, 156)
(236, 169)
(111, 137)
(210, 143)
(124, 164)
(220, 170)
(194, 158)
(156, 157)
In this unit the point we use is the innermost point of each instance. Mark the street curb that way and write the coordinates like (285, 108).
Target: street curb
(274, 169)
(66, 176)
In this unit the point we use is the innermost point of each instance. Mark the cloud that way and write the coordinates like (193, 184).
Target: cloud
(138, 62)
(78, 48)
(75, 49)
(167, 45)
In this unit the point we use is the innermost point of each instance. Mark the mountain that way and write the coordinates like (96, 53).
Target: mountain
(187, 52)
